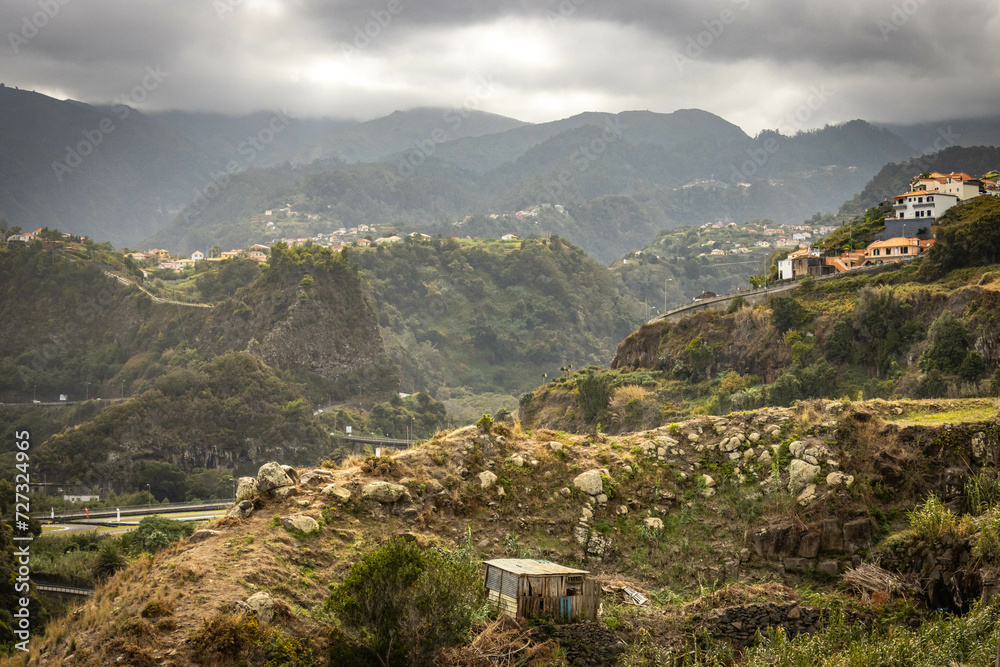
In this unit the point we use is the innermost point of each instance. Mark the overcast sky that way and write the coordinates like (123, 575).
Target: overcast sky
(756, 63)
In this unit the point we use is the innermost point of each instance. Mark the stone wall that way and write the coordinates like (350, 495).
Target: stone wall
(804, 548)
(740, 624)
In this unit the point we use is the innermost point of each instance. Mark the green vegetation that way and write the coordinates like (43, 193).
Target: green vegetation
(475, 317)
(417, 417)
(405, 604)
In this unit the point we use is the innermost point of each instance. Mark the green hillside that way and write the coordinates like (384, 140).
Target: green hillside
(472, 317)
(926, 330)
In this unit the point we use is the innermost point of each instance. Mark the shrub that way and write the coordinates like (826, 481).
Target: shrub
(228, 640)
(932, 520)
(406, 604)
(110, 559)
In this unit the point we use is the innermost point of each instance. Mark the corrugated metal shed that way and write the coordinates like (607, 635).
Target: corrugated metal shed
(523, 588)
(531, 566)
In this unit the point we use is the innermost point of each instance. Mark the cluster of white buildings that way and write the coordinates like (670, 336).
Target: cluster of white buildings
(909, 228)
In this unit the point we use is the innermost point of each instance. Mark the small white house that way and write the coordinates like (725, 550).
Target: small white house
(197, 255)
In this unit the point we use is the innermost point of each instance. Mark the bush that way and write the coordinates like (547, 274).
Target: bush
(406, 604)
(110, 559)
(932, 520)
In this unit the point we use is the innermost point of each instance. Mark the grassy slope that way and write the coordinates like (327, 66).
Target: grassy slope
(701, 532)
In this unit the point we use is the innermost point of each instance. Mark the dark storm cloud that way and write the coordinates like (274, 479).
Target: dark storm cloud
(751, 61)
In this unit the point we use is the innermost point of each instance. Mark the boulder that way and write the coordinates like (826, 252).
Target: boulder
(808, 495)
(300, 522)
(317, 476)
(285, 492)
(246, 487)
(202, 535)
(241, 510)
(589, 482)
(260, 605)
(800, 474)
(839, 479)
(292, 473)
(337, 493)
(797, 448)
(554, 446)
(828, 566)
(384, 492)
(272, 476)
(709, 482)
(517, 460)
(487, 479)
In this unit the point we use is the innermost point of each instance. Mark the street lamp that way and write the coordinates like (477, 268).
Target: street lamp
(149, 497)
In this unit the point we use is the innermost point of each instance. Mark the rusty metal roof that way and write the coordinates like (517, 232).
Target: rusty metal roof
(531, 566)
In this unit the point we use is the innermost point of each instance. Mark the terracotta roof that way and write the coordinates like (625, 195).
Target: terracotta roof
(924, 192)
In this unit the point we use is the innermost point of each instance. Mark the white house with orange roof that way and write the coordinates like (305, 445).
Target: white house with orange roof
(957, 183)
(197, 255)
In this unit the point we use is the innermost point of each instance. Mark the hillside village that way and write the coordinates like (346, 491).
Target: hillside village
(916, 211)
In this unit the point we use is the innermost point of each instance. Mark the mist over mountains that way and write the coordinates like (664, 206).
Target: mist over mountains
(185, 180)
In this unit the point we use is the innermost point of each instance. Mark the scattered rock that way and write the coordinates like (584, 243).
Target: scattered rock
(487, 479)
(838, 479)
(260, 605)
(246, 487)
(272, 476)
(337, 492)
(653, 523)
(565, 492)
(317, 476)
(554, 446)
(800, 474)
(285, 492)
(385, 492)
(202, 535)
(797, 448)
(709, 482)
(589, 482)
(292, 473)
(517, 460)
(300, 522)
(808, 495)
(241, 510)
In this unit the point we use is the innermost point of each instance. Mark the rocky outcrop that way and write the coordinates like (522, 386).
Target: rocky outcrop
(272, 476)
(589, 482)
(259, 604)
(385, 493)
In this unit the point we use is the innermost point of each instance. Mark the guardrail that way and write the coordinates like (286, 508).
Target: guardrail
(134, 510)
(69, 590)
(376, 440)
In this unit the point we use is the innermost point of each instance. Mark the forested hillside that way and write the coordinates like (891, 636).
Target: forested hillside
(476, 317)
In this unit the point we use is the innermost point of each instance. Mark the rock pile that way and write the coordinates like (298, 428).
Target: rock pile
(586, 644)
(740, 624)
